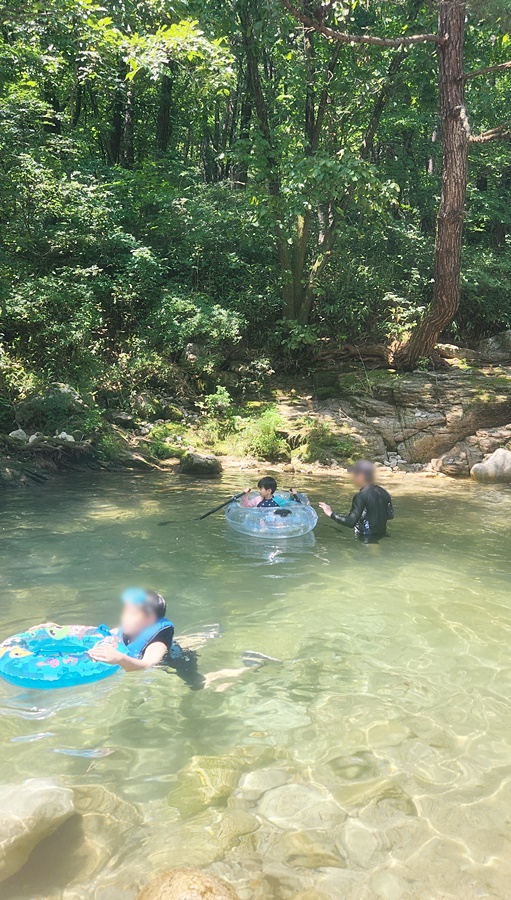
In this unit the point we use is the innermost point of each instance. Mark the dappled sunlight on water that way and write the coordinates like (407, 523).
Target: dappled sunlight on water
(375, 761)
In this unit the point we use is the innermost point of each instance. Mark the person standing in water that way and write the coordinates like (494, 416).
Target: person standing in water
(371, 508)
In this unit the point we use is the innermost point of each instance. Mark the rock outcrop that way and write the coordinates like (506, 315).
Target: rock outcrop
(29, 812)
(422, 416)
(200, 465)
(496, 469)
(187, 884)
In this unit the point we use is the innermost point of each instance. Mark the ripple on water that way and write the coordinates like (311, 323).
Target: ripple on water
(374, 763)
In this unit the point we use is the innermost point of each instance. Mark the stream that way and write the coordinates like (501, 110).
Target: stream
(373, 762)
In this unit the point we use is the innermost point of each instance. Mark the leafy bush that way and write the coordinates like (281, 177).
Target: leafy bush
(183, 317)
(167, 441)
(319, 444)
(262, 437)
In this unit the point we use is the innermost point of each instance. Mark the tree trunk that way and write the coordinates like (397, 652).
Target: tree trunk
(164, 123)
(115, 140)
(128, 155)
(455, 146)
(240, 174)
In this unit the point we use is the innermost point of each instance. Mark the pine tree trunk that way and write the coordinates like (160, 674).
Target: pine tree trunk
(455, 146)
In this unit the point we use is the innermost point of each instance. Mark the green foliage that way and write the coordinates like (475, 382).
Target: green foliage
(295, 337)
(217, 405)
(262, 437)
(142, 208)
(168, 441)
(319, 444)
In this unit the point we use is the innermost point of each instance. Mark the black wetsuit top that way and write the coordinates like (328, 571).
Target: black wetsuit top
(370, 511)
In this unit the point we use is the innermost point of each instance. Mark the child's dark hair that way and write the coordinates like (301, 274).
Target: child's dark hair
(155, 605)
(268, 483)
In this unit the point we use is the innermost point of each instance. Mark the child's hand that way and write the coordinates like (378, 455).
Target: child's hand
(326, 508)
(294, 492)
(247, 490)
(105, 652)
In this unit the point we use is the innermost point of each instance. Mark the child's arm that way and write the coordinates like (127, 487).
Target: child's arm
(249, 503)
(104, 652)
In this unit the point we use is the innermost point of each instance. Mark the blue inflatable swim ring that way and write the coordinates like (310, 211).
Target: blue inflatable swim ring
(53, 657)
(290, 519)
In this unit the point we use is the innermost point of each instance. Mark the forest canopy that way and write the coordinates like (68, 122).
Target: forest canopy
(225, 173)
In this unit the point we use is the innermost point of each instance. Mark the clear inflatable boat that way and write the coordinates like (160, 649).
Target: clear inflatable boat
(289, 519)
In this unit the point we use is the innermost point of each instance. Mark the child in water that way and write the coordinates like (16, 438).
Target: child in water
(148, 637)
(267, 487)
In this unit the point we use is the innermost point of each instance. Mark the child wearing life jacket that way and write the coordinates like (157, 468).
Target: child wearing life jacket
(148, 637)
(267, 487)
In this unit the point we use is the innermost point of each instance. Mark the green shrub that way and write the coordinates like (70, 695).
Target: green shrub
(320, 444)
(167, 441)
(262, 437)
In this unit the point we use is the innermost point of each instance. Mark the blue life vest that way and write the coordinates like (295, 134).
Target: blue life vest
(272, 503)
(138, 645)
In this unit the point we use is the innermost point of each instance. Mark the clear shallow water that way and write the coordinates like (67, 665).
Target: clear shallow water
(374, 763)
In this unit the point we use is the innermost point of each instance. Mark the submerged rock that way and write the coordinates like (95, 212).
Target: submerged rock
(205, 781)
(201, 465)
(187, 884)
(29, 812)
(496, 469)
(301, 806)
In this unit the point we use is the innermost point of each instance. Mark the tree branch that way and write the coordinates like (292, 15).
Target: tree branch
(498, 68)
(502, 133)
(323, 100)
(373, 40)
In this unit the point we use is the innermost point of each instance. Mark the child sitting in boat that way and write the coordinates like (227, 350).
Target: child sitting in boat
(266, 487)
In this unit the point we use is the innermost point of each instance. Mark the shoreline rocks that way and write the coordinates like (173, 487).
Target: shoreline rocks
(495, 469)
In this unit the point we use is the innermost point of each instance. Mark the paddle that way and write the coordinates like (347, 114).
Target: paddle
(205, 515)
(217, 508)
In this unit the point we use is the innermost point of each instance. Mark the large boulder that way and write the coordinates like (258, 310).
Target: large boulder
(29, 812)
(187, 884)
(496, 469)
(200, 465)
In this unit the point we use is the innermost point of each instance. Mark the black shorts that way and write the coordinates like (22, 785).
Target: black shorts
(185, 664)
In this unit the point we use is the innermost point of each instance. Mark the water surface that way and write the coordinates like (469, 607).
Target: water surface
(375, 762)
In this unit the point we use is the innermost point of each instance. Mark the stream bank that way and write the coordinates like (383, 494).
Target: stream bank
(441, 422)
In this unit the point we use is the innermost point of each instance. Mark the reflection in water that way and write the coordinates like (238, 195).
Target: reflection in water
(373, 763)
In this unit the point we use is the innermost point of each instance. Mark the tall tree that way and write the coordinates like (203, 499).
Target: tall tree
(456, 137)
